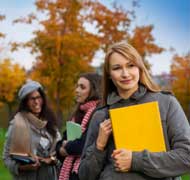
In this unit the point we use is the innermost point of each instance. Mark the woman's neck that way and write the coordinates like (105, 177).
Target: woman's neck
(127, 93)
(37, 115)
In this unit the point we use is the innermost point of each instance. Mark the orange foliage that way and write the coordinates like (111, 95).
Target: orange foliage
(180, 71)
(11, 78)
(143, 41)
(65, 48)
(2, 17)
(111, 25)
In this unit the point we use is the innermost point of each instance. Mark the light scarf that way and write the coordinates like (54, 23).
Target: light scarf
(21, 140)
(66, 169)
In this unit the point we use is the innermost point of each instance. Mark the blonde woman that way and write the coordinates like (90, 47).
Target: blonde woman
(126, 83)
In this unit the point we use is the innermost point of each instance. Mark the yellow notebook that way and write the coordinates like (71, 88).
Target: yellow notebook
(138, 127)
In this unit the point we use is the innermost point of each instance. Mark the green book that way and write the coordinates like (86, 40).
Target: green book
(74, 130)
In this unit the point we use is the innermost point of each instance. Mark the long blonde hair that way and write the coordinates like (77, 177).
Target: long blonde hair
(130, 53)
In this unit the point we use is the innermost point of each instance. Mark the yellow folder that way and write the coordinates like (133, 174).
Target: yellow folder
(138, 127)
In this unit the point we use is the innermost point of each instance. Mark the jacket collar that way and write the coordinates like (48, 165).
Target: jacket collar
(113, 97)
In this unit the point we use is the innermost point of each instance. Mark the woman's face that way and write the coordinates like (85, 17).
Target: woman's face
(82, 90)
(35, 102)
(124, 75)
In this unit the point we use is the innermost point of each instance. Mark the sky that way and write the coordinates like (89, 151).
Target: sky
(170, 18)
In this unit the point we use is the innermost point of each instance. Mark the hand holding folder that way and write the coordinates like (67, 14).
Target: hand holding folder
(138, 127)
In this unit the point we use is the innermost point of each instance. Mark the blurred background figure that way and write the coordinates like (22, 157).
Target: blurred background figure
(88, 96)
(32, 131)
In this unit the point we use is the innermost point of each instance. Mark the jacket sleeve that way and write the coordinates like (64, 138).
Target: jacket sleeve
(58, 146)
(11, 164)
(92, 159)
(174, 162)
(75, 147)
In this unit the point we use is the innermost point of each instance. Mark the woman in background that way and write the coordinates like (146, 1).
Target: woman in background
(32, 132)
(88, 94)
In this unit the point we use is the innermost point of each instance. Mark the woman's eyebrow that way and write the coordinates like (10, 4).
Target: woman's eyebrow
(115, 65)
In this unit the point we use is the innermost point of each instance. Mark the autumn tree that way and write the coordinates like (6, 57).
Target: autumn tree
(112, 25)
(2, 35)
(65, 47)
(115, 24)
(180, 71)
(2, 17)
(11, 78)
(143, 40)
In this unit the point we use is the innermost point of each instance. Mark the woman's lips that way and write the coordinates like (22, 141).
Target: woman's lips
(125, 81)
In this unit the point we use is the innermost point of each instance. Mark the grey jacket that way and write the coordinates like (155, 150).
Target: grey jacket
(98, 165)
(41, 143)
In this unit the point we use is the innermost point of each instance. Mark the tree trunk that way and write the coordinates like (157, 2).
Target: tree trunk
(9, 111)
(58, 109)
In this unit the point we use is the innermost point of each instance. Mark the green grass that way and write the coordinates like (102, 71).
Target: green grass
(186, 177)
(4, 173)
